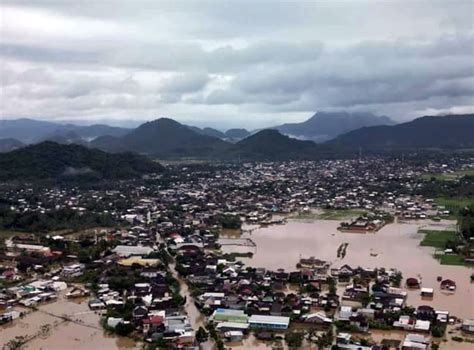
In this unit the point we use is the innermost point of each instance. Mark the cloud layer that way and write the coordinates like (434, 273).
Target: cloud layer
(234, 63)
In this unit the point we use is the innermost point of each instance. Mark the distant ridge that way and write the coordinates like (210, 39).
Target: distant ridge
(32, 131)
(270, 144)
(324, 126)
(237, 133)
(163, 137)
(49, 160)
(443, 132)
(9, 144)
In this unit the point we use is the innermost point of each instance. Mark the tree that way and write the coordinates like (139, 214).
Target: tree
(201, 335)
(124, 329)
(294, 339)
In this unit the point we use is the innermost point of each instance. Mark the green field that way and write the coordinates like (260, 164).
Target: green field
(437, 239)
(6, 234)
(330, 214)
(454, 204)
(450, 259)
(448, 176)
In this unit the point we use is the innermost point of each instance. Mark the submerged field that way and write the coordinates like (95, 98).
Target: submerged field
(329, 214)
(396, 245)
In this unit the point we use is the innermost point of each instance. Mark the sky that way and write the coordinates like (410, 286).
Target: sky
(234, 63)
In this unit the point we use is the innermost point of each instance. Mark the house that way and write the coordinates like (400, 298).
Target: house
(9, 316)
(468, 326)
(448, 285)
(177, 323)
(413, 282)
(234, 335)
(77, 292)
(152, 322)
(345, 313)
(139, 312)
(269, 322)
(343, 338)
(229, 315)
(126, 251)
(415, 342)
(232, 326)
(318, 318)
(422, 326)
(112, 322)
(96, 304)
(427, 292)
(73, 270)
(425, 312)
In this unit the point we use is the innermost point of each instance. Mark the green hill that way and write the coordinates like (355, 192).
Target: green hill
(446, 132)
(163, 138)
(49, 160)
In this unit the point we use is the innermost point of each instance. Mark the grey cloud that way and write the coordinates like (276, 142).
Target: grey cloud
(209, 59)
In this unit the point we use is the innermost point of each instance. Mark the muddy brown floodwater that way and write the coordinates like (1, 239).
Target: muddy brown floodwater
(83, 333)
(394, 246)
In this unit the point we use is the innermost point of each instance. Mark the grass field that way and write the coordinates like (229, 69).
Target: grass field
(450, 259)
(448, 176)
(5, 234)
(437, 239)
(454, 204)
(330, 214)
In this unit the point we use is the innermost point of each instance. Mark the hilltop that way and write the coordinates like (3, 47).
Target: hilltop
(324, 126)
(270, 144)
(163, 137)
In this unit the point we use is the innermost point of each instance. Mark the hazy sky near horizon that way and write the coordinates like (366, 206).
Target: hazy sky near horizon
(234, 63)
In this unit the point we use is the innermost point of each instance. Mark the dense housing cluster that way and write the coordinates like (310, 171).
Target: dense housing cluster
(147, 257)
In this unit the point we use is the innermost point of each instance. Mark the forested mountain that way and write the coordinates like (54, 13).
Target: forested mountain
(49, 160)
(452, 131)
(163, 138)
(9, 144)
(272, 145)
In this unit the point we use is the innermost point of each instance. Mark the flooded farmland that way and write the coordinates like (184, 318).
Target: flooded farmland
(394, 246)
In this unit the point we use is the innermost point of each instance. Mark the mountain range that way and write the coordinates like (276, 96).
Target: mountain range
(32, 131)
(165, 138)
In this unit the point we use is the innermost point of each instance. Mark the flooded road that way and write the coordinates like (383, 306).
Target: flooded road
(394, 246)
(196, 318)
(83, 333)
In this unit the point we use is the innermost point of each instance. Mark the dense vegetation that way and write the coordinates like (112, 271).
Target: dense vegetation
(466, 222)
(427, 132)
(163, 138)
(53, 220)
(271, 145)
(49, 160)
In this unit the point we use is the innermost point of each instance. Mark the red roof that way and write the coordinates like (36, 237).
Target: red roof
(153, 320)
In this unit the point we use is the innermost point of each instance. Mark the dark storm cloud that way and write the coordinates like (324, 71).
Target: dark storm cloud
(257, 62)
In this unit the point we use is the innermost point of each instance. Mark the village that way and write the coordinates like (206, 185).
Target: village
(172, 262)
